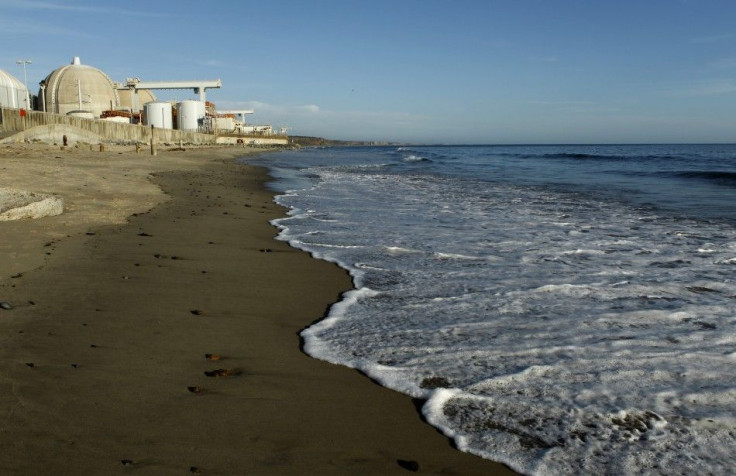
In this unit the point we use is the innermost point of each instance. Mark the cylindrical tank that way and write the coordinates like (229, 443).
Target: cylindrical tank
(82, 114)
(158, 114)
(190, 115)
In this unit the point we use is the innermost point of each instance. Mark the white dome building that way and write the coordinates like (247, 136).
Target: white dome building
(126, 99)
(78, 87)
(13, 93)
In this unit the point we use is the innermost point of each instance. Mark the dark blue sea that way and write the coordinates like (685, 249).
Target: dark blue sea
(563, 309)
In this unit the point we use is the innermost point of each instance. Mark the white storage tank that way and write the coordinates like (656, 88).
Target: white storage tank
(158, 114)
(190, 115)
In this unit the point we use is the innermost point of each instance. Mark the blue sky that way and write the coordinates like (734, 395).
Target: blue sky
(461, 71)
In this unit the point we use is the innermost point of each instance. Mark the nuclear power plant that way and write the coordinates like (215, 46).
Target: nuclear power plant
(80, 95)
(78, 89)
(13, 93)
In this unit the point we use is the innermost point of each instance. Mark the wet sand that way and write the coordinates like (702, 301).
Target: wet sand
(117, 302)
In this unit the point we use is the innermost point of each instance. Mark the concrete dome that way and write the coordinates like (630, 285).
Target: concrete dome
(12, 92)
(126, 99)
(76, 83)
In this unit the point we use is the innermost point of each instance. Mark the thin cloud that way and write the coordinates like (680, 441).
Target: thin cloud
(274, 111)
(712, 38)
(576, 107)
(31, 5)
(499, 43)
(310, 108)
(589, 110)
(724, 63)
(24, 28)
(562, 103)
(311, 119)
(289, 110)
(211, 63)
(707, 87)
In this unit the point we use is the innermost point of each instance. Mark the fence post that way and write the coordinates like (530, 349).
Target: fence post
(153, 141)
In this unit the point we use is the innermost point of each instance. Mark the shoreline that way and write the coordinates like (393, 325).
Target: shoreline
(103, 356)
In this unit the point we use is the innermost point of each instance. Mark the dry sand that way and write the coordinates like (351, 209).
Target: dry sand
(117, 301)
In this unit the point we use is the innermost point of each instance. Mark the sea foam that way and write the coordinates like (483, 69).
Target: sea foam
(549, 329)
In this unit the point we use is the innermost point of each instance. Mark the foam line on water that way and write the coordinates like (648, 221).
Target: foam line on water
(549, 330)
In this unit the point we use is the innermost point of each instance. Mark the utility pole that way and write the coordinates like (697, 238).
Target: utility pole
(24, 62)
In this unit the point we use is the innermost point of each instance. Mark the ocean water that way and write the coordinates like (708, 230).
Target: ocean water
(563, 309)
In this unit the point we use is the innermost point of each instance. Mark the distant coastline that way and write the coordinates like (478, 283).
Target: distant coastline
(310, 141)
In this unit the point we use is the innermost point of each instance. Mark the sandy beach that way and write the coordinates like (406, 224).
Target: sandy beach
(154, 330)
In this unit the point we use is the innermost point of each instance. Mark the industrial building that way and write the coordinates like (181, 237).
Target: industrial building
(13, 93)
(126, 96)
(82, 91)
(78, 88)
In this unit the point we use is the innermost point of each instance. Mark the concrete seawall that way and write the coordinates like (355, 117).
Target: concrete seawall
(50, 128)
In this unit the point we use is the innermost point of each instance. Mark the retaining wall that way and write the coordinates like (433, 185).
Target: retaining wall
(48, 127)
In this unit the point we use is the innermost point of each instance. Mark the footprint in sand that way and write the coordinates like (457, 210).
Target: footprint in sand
(218, 373)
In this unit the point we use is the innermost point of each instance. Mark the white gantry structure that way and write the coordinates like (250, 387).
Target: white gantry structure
(199, 87)
(238, 112)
